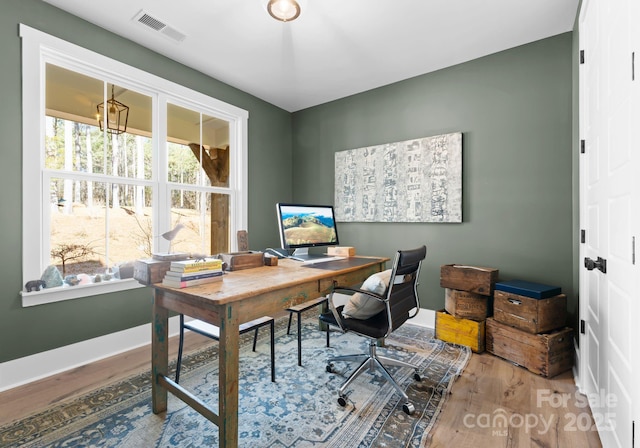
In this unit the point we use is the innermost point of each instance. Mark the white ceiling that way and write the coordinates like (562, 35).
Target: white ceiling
(336, 48)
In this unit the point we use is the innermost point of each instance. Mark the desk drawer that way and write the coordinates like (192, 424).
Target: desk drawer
(348, 279)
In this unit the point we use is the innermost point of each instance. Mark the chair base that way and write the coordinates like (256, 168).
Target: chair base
(373, 362)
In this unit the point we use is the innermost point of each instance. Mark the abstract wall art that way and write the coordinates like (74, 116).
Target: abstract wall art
(418, 180)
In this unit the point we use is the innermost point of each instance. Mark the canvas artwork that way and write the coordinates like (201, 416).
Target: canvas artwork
(418, 180)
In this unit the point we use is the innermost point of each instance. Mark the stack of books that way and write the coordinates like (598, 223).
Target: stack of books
(185, 273)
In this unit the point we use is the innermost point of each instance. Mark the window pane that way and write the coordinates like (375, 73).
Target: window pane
(201, 232)
(183, 166)
(183, 145)
(73, 141)
(77, 237)
(86, 236)
(215, 138)
(129, 219)
(197, 140)
(129, 152)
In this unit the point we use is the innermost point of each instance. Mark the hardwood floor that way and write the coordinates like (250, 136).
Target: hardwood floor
(493, 404)
(497, 404)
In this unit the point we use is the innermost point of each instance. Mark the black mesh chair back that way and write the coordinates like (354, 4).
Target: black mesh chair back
(402, 293)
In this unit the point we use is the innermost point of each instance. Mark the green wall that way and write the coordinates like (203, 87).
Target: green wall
(25, 331)
(514, 109)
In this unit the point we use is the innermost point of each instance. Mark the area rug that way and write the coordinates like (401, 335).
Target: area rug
(299, 410)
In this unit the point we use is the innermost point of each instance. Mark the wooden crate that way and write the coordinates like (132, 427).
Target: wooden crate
(460, 331)
(467, 305)
(237, 261)
(149, 271)
(468, 278)
(543, 354)
(530, 314)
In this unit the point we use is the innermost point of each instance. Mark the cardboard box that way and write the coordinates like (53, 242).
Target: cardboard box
(341, 251)
(467, 305)
(468, 278)
(460, 331)
(543, 354)
(528, 313)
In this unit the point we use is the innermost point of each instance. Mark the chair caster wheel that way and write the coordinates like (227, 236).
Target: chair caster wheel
(417, 377)
(330, 368)
(342, 401)
(408, 408)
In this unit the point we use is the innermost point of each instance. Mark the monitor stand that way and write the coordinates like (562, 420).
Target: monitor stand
(302, 254)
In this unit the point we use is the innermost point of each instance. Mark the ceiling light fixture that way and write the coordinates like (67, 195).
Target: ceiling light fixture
(284, 10)
(116, 117)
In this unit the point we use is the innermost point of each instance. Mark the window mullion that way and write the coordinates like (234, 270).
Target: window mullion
(161, 200)
(107, 212)
(45, 224)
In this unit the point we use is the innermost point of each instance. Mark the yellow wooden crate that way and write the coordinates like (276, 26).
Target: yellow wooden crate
(460, 331)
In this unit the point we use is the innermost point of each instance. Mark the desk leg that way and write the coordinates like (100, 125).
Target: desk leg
(228, 367)
(159, 353)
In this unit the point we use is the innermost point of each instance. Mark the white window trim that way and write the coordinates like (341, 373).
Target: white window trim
(38, 48)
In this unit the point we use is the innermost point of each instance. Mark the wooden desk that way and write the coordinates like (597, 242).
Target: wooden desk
(240, 297)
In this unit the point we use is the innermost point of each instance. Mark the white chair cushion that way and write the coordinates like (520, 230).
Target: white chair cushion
(362, 306)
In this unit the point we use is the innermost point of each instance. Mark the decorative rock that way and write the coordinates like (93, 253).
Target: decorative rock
(51, 277)
(34, 285)
(84, 279)
(97, 278)
(71, 280)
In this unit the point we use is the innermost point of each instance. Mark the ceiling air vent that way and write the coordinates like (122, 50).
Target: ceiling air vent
(159, 26)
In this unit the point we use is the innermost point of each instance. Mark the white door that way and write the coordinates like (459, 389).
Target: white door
(609, 209)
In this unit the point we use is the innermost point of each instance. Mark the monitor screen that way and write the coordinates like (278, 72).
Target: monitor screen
(303, 226)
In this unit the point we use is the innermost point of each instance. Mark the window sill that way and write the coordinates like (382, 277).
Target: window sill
(74, 292)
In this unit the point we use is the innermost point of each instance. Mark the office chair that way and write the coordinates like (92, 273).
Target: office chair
(213, 332)
(400, 302)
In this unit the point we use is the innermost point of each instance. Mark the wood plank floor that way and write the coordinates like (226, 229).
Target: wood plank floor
(493, 404)
(496, 404)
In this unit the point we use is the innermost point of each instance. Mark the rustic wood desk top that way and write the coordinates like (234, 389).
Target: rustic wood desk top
(238, 285)
(240, 297)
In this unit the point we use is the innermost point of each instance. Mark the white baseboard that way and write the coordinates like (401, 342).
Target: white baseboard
(425, 318)
(576, 368)
(31, 368)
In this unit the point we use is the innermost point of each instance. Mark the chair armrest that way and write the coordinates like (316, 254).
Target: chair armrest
(337, 315)
(355, 290)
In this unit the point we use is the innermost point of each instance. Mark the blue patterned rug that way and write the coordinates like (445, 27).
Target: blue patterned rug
(299, 410)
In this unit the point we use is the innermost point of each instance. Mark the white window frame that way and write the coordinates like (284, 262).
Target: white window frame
(38, 49)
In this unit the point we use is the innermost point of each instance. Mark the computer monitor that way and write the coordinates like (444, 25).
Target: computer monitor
(304, 226)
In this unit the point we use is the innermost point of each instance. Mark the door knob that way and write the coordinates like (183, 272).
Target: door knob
(600, 264)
